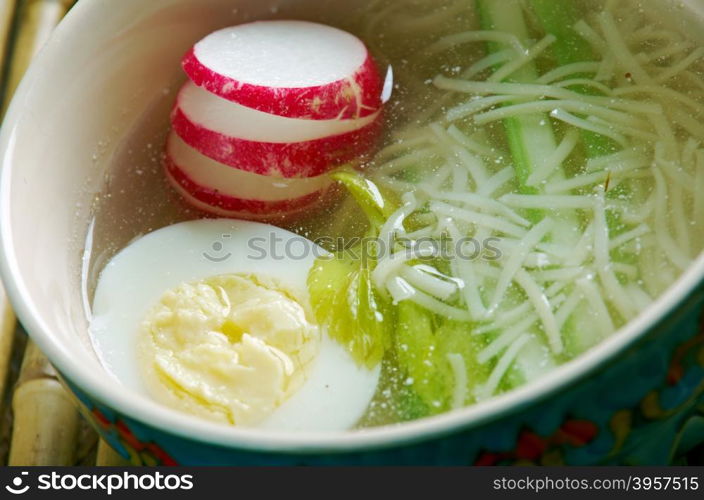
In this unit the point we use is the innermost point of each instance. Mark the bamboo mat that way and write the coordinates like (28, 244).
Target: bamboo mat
(29, 390)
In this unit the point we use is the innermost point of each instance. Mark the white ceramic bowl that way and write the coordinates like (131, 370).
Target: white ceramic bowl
(107, 65)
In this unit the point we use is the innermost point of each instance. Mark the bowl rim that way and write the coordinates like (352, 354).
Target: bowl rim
(153, 415)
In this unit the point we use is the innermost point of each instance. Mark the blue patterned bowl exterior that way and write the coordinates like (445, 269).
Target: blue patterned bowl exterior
(645, 407)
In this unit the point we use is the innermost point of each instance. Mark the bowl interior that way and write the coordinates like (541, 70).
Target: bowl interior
(108, 69)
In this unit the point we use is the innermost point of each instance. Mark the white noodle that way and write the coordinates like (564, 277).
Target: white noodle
(496, 182)
(469, 143)
(538, 260)
(502, 366)
(583, 82)
(602, 260)
(428, 283)
(515, 262)
(477, 218)
(687, 122)
(459, 371)
(679, 218)
(440, 177)
(393, 226)
(562, 274)
(689, 151)
(440, 308)
(583, 248)
(410, 160)
(554, 161)
(507, 337)
(553, 106)
(567, 70)
(576, 182)
(607, 69)
(629, 236)
(465, 267)
(666, 137)
(665, 92)
(620, 50)
(616, 294)
(544, 91)
(665, 53)
(453, 41)
(598, 308)
(505, 318)
(628, 270)
(479, 202)
(673, 170)
(674, 253)
(399, 289)
(626, 130)
(471, 293)
(601, 230)
(567, 308)
(678, 68)
(518, 63)
(626, 157)
(474, 165)
(639, 296)
(487, 62)
(475, 105)
(404, 145)
(546, 201)
(591, 36)
(543, 308)
(570, 119)
(460, 180)
(390, 266)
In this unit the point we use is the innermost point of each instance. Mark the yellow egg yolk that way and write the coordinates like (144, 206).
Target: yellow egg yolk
(230, 348)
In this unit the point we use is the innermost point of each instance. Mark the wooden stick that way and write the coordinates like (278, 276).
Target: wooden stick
(45, 418)
(107, 457)
(7, 15)
(7, 335)
(7, 317)
(36, 20)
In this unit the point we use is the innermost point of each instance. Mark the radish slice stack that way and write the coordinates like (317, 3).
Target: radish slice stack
(271, 107)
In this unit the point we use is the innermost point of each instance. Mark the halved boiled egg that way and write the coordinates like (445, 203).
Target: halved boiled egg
(211, 317)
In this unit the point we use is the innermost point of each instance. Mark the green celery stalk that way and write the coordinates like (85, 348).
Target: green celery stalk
(423, 342)
(558, 19)
(530, 137)
(342, 295)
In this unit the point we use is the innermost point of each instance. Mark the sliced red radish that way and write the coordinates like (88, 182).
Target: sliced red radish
(234, 120)
(212, 202)
(294, 69)
(268, 144)
(238, 183)
(226, 191)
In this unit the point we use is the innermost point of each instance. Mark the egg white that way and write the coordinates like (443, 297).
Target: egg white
(337, 391)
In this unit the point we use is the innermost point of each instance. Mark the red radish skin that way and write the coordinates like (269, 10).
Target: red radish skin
(353, 95)
(289, 160)
(215, 203)
(207, 211)
(239, 183)
(234, 120)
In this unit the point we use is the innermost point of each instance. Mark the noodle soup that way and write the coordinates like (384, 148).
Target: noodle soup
(534, 192)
